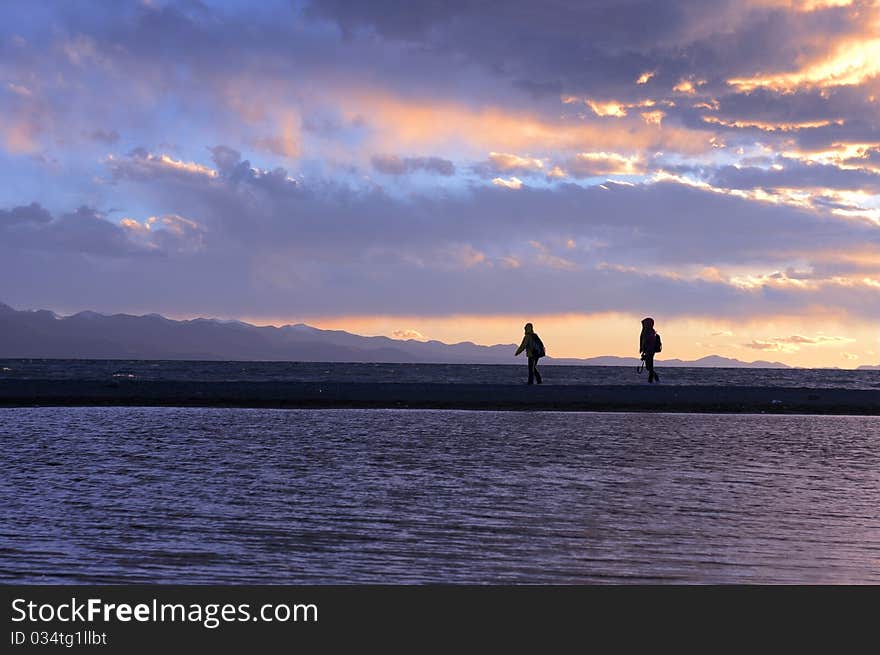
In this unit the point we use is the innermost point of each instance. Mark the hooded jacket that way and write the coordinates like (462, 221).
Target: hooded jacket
(648, 337)
(528, 343)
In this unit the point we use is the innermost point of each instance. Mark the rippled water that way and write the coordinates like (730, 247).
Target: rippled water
(101, 495)
(54, 369)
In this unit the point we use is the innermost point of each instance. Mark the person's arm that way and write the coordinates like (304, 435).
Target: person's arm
(522, 346)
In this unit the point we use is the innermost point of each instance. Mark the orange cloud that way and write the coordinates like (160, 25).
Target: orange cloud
(287, 142)
(795, 342)
(814, 5)
(20, 137)
(393, 122)
(605, 163)
(607, 108)
(408, 334)
(189, 231)
(842, 155)
(653, 117)
(802, 5)
(189, 167)
(612, 107)
(853, 205)
(550, 260)
(508, 162)
(409, 124)
(688, 87)
(770, 127)
(849, 61)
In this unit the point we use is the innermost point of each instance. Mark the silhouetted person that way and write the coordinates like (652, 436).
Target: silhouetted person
(649, 343)
(534, 348)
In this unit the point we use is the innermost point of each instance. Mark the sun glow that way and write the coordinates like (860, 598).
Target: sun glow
(852, 62)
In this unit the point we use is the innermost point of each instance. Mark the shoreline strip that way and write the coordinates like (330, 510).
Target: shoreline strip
(671, 398)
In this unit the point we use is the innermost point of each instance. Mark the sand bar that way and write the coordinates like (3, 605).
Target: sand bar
(665, 398)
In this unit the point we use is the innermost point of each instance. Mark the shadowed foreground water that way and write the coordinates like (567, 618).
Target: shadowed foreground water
(171, 495)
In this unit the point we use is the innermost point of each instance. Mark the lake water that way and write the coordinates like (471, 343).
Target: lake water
(48, 369)
(177, 495)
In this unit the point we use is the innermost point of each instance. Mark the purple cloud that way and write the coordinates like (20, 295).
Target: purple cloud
(394, 165)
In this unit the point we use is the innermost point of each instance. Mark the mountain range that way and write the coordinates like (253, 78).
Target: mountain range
(89, 335)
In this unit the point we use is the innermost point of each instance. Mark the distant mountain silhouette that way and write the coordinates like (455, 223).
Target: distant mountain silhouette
(88, 335)
(709, 361)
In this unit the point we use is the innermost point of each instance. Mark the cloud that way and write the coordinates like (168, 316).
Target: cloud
(583, 45)
(394, 165)
(225, 158)
(30, 214)
(653, 117)
(847, 62)
(331, 247)
(285, 145)
(511, 183)
(19, 89)
(546, 258)
(614, 108)
(21, 134)
(771, 184)
(231, 175)
(141, 164)
(108, 137)
(88, 231)
(500, 162)
(795, 342)
(770, 127)
(791, 173)
(591, 164)
(632, 223)
(409, 333)
(407, 123)
(688, 86)
(286, 125)
(169, 233)
(84, 230)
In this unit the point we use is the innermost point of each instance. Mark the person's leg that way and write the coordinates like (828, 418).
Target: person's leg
(649, 364)
(531, 371)
(537, 374)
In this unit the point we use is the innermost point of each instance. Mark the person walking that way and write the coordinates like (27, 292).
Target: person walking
(649, 344)
(534, 348)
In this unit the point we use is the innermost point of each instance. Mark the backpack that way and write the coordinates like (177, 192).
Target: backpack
(659, 345)
(537, 347)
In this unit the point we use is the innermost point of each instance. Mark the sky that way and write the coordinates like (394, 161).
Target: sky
(449, 169)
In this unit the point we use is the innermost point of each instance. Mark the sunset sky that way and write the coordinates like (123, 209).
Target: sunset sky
(448, 169)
